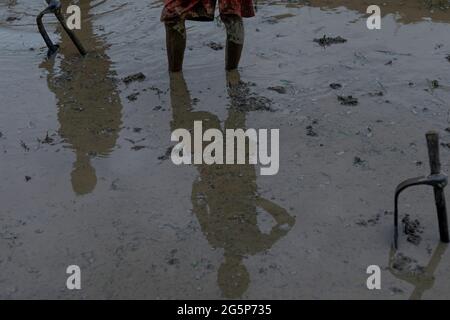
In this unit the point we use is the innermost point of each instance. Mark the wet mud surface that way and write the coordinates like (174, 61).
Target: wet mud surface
(87, 177)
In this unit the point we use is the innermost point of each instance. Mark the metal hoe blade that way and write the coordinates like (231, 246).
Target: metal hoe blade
(437, 180)
(54, 6)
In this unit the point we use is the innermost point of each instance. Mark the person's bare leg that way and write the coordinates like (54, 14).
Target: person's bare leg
(235, 40)
(176, 44)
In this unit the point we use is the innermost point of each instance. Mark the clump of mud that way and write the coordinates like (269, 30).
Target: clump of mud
(335, 86)
(412, 229)
(310, 131)
(348, 100)
(133, 96)
(328, 41)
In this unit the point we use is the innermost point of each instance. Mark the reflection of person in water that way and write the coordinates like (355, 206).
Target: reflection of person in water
(89, 108)
(225, 197)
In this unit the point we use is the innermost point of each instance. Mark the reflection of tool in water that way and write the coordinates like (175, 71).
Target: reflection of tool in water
(54, 6)
(437, 180)
(421, 282)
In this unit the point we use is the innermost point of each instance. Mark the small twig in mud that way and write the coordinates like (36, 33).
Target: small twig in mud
(134, 142)
(328, 41)
(137, 148)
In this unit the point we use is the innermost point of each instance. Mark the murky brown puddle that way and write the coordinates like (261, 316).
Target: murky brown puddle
(86, 177)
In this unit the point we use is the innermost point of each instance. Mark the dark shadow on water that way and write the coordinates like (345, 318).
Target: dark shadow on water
(225, 197)
(408, 11)
(89, 107)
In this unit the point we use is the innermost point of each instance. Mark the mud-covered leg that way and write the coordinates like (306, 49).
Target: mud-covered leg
(235, 40)
(176, 44)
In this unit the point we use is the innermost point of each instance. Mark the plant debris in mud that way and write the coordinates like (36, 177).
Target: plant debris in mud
(412, 229)
(328, 41)
(405, 264)
(215, 45)
(448, 58)
(348, 100)
(134, 77)
(243, 100)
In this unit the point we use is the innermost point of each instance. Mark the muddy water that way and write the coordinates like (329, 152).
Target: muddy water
(86, 179)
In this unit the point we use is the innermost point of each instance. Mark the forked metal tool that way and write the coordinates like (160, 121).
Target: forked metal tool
(437, 180)
(54, 6)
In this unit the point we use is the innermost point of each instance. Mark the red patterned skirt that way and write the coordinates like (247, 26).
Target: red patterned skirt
(203, 10)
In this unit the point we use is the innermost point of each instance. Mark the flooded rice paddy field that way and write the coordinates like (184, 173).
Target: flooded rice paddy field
(86, 178)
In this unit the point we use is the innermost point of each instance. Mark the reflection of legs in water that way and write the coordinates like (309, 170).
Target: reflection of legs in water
(83, 175)
(233, 78)
(235, 40)
(233, 278)
(225, 198)
(176, 44)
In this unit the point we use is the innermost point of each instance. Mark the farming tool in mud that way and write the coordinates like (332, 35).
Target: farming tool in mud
(54, 6)
(437, 180)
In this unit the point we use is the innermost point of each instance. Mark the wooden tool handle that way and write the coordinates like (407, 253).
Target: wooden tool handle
(433, 151)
